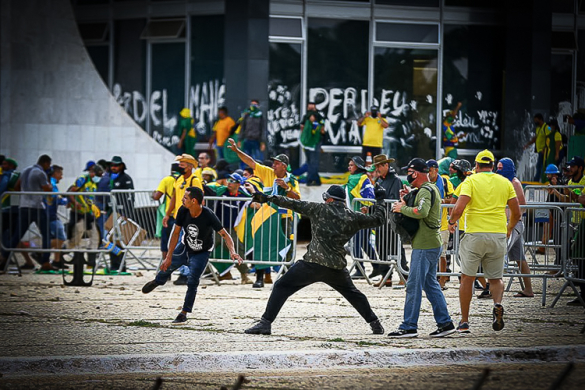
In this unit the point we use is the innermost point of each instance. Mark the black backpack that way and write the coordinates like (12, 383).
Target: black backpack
(405, 226)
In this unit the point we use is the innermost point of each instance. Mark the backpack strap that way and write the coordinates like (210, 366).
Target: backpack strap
(433, 195)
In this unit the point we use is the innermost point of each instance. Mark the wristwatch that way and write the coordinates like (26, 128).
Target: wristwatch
(452, 223)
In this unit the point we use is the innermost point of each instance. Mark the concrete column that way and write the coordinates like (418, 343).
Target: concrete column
(246, 53)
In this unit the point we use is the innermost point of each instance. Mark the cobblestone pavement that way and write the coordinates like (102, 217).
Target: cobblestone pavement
(42, 318)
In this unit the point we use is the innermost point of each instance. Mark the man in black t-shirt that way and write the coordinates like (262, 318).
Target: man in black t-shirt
(198, 224)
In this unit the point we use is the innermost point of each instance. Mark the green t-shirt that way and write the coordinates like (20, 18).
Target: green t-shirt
(427, 236)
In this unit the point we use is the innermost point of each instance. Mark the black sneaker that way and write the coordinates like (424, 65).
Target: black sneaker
(148, 287)
(261, 327)
(377, 327)
(574, 302)
(180, 320)
(374, 274)
(258, 284)
(498, 323)
(181, 281)
(403, 333)
(444, 331)
(463, 327)
(485, 294)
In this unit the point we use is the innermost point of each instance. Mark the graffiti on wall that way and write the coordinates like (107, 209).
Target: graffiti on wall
(204, 100)
(283, 116)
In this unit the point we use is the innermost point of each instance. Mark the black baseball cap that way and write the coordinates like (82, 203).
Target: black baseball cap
(578, 161)
(418, 164)
(335, 192)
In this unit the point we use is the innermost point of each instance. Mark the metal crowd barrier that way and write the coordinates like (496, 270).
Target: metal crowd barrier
(545, 229)
(539, 193)
(574, 251)
(134, 229)
(263, 235)
(67, 226)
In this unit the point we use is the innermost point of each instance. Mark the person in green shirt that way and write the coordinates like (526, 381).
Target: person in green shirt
(426, 249)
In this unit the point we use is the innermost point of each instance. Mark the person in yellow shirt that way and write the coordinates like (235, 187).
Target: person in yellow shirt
(187, 164)
(373, 132)
(484, 196)
(278, 182)
(165, 191)
(203, 160)
(539, 140)
(221, 130)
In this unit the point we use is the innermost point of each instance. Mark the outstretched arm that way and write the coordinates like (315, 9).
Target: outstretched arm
(249, 161)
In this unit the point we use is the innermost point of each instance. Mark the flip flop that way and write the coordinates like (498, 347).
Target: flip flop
(520, 294)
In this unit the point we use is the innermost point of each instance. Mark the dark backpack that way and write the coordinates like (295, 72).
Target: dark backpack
(405, 226)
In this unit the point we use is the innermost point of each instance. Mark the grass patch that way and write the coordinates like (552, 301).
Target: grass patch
(143, 323)
(366, 343)
(336, 340)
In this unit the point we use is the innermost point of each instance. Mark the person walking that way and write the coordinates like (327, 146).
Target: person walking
(484, 197)
(426, 249)
(332, 225)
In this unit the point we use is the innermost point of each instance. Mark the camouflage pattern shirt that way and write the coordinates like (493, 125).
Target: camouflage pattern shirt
(332, 225)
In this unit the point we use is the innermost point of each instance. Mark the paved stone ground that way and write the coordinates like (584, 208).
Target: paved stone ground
(42, 318)
(517, 376)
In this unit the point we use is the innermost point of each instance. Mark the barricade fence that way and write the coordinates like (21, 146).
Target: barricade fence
(543, 229)
(263, 234)
(542, 193)
(574, 251)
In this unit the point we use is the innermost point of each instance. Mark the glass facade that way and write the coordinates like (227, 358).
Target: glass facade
(475, 78)
(343, 55)
(284, 99)
(405, 90)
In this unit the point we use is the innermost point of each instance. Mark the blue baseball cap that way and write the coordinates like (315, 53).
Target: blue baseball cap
(89, 164)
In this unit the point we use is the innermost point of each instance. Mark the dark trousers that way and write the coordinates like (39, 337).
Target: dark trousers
(313, 157)
(303, 274)
(26, 216)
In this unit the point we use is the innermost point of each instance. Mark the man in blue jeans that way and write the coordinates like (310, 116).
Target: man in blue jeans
(426, 249)
(198, 224)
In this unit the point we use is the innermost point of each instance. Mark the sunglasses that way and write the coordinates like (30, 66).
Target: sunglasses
(232, 181)
(183, 185)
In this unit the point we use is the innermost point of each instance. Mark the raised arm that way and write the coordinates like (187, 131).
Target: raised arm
(249, 161)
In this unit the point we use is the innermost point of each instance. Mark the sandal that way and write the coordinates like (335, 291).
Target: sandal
(521, 294)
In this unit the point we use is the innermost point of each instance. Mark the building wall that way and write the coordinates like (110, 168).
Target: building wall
(54, 102)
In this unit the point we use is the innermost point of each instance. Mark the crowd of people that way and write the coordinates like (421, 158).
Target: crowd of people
(255, 221)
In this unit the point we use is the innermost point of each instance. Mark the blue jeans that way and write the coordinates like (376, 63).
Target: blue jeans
(26, 216)
(196, 262)
(539, 163)
(423, 276)
(252, 149)
(313, 157)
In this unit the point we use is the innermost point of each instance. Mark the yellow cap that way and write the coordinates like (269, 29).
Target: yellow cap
(187, 158)
(485, 157)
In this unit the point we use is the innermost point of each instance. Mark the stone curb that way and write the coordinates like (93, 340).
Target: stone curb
(296, 360)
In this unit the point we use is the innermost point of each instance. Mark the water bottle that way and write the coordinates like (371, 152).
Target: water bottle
(111, 247)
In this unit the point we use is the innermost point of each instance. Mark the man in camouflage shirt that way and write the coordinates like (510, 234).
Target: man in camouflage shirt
(332, 225)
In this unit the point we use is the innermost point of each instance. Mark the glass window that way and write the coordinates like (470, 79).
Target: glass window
(411, 3)
(161, 29)
(581, 72)
(100, 56)
(167, 98)
(561, 77)
(337, 80)
(129, 87)
(473, 75)
(286, 27)
(405, 32)
(405, 90)
(207, 89)
(284, 99)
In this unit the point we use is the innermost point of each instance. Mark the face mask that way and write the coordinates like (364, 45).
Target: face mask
(180, 170)
(374, 113)
(114, 176)
(410, 178)
(96, 179)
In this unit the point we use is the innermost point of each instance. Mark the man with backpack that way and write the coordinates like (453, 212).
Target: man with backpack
(426, 249)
